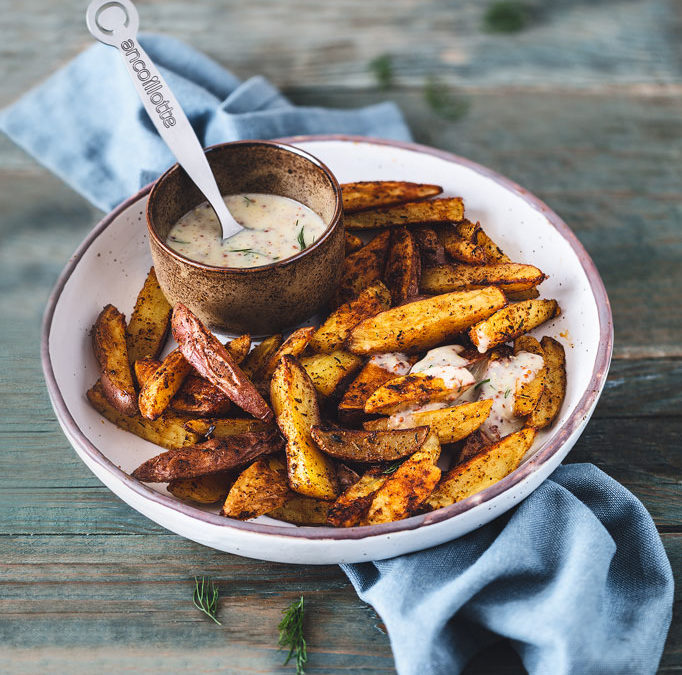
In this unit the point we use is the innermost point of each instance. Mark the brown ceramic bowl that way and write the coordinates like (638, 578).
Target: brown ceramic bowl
(257, 300)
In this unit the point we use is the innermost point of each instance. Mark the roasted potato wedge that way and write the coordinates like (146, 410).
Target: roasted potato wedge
(212, 360)
(362, 269)
(167, 431)
(554, 390)
(150, 321)
(430, 248)
(331, 335)
(301, 510)
(144, 369)
(294, 399)
(492, 251)
(482, 470)
(238, 348)
(295, 345)
(111, 352)
(208, 489)
(433, 211)
(260, 488)
(528, 394)
(329, 371)
(473, 444)
(449, 424)
(380, 193)
(424, 323)
(403, 266)
(200, 398)
(229, 426)
(217, 454)
(352, 506)
(369, 446)
(257, 360)
(459, 248)
(455, 277)
(353, 243)
(511, 322)
(160, 387)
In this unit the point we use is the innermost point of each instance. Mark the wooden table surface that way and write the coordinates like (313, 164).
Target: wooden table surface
(583, 106)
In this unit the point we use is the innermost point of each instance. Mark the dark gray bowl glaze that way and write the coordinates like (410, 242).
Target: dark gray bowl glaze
(257, 300)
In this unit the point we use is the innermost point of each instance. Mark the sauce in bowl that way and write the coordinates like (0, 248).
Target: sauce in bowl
(276, 228)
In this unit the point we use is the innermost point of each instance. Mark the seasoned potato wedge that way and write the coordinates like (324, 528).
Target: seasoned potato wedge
(529, 294)
(455, 277)
(217, 454)
(352, 506)
(449, 424)
(226, 427)
(353, 243)
(377, 193)
(295, 345)
(329, 371)
(362, 269)
(259, 488)
(492, 251)
(424, 323)
(403, 266)
(163, 384)
(369, 446)
(482, 470)
(111, 352)
(404, 491)
(467, 230)
(430, 247)
(459, 248)
(150, 321)
(144, 369)
(257, 360)
(511, 322)
(167, 431)
(554, 390)
(331, 335)
(528, 394)
(301, 510)
(208, 489)
(212, 360)
(294, 399)
(473, 444)
(433, 211)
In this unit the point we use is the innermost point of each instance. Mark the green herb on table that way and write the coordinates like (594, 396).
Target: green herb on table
(291, 635)
(301, 240)
(481, 383)
(443, 102)
(506, 16)
(206, 597)
(382, 69)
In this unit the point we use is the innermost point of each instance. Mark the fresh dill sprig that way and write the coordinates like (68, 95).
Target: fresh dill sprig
(481, 383)
(205, 597)
(301, 240)
(291, 635)
(392, 468)
(506, 393)
(178, 241)
(248, 200)
(251, 251)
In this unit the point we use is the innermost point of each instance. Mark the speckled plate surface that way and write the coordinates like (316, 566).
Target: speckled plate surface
(112, 262)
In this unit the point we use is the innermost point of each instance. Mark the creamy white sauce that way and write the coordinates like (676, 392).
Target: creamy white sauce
(277, 228)
(396, 363)
(503, 377)
(483, 340)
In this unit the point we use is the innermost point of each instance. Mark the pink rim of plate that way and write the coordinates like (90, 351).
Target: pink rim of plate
(543, 455)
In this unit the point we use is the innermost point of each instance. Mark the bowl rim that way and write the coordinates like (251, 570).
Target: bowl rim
(333, 225)
(551, 447)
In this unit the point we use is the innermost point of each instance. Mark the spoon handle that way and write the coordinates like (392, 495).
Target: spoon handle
(115, 23)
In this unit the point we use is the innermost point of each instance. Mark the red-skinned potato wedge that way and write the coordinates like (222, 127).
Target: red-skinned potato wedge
(163, 384)
(331, 335)
(369, 446)
(511, 322)
(449, 424)
(527, 394)
(295, 345)
(430, 248)
(147, 329)
(208, 489)
(346, 475)
(482, 470)
(111, 352)
(212, 360)
(403, 266)
(554, 390)
(424, 323)
(473, 444)
(217, 454)
(329, 371)
(301, 510)
(255, 363)
(226, 427)
(294, 399)
(352, 505)
(457, 277)
(362, 269)
(365, 195)
(433, 211)
(353, 243)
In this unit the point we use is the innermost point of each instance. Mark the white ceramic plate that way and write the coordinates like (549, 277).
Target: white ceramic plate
(112, 262)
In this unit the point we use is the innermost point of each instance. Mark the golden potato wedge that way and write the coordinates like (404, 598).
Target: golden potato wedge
(554, 390)
(167, 431)
(449, 424)
(294, 399)
(424, 323)
(351, 506)
(226, 427)
(259, 488)
(144, 369)
(255, 363)
(362, 269)
(369, 446)
(459, 248)
(456, 277)
(433, 211)
(149, 323)
(238, 348)
(482, 470)
(111, 352)
(300, 510)
(510, 322)
(331, 335)
(380, 193)
(295, 345)
(492, 251)
(473, 444)
(404, 491)
(403, 266)
(527, 394)
(353, 243)
(163, 384)
(466, 230)
(329, 371)
(529, 294)
(208, 489)
(430, 248)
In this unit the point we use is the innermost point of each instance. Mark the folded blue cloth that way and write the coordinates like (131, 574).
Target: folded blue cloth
(576, 576)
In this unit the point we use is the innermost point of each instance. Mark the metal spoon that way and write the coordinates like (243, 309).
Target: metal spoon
(115, 23)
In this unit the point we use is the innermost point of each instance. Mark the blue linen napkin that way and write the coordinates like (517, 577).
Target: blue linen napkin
(576, 576)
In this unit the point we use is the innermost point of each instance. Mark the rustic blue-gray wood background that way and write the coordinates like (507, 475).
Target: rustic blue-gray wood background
(580, 102)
